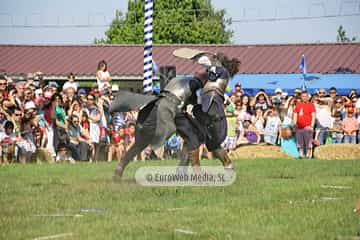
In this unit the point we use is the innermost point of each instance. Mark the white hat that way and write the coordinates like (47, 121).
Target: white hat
(284, 94)
(115, 88)
(29, 105)
(278, 90)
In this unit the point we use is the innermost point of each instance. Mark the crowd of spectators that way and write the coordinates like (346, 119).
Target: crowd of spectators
(66, 122)
(297, 122)
(69, 123)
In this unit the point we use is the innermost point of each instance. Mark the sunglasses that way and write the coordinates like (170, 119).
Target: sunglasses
(332, 92)
(322, 92)
(339, 102)
(75, 121)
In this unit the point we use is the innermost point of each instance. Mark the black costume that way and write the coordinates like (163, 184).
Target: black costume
(160, 117)
(211, 112)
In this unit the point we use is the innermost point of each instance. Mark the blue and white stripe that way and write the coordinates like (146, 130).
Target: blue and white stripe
(148, 33)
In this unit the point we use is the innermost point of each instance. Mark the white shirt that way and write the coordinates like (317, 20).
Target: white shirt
(272, 126)
(323, 116)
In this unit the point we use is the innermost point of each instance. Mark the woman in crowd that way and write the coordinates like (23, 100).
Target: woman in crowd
(103, 76)
(95, 112)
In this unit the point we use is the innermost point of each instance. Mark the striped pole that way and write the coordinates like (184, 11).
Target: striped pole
(148, 31)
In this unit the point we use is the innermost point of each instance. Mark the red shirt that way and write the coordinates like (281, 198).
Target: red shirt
(304, 114)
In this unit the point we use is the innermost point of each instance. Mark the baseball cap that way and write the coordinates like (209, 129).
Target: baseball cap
(278, 90)
(81, 91)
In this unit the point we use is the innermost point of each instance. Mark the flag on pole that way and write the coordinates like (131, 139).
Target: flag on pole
(302, 65)
(148, 33)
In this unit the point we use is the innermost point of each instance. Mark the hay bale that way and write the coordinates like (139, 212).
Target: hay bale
(258, 151)
(337, 152)
(42, 156)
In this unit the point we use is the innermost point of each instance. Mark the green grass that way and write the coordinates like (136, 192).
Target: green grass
(270, 199)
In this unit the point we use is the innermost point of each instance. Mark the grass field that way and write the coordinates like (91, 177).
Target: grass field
(270, 199)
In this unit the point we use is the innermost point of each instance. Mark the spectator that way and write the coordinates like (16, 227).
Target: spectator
(63, 154)
(130, 134)
(118, 143)
(276, 98)
(350, 126)
(75, 109)
(283, 107)
(8, 140)
(230, 106)
(242, 107)
(75, 141)
(297, 93)
(173, 146)
(304, 118)
(333, 93)
(95, 111)
(103, 76)
(259, 122)
(323, 116)
(339, 106)
(288, 141)
(49, 108)
(58, 118)
(19, 94)
(70, 83)
(3, 85)
(238, 92)
(250, 132)
(261, 100)
(337, 128)
(352, 93)
(289, 110)
(272, 126)
(82, 97)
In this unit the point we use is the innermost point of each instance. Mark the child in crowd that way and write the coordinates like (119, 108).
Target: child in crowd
(250, 132)
(337, 129)
(63, 155)
(259, 122)
(8, 140)
(118, 143)
(288, 141)
(272, 126)
(350, 127)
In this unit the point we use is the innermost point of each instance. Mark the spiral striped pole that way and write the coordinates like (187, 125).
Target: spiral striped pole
(148, 32)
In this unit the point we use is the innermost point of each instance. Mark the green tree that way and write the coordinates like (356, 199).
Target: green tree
(341, 37)
(175, 21)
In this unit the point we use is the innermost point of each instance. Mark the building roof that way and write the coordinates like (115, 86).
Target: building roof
(127, 60)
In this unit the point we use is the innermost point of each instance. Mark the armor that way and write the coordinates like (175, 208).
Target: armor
(218, 80)
(183, 88)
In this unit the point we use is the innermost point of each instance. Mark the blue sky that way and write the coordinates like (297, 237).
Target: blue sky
(55, 13)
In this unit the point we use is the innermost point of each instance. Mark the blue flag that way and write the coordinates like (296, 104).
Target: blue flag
(302, 64)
